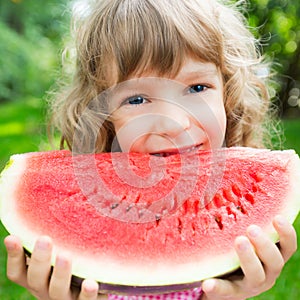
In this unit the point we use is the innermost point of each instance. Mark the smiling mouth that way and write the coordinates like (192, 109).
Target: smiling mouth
(182, 150)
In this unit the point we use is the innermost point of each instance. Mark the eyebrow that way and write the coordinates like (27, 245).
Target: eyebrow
(197, 72)
(126, 85)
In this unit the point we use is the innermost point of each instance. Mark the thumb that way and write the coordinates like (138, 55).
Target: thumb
(219, 289)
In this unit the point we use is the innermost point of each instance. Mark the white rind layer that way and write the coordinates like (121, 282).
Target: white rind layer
(290, 212)
(134, 275)
(10, 177)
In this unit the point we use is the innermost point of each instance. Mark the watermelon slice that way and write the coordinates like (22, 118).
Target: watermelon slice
(141, 222)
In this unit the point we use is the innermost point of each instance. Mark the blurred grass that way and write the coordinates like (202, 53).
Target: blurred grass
(23, 129)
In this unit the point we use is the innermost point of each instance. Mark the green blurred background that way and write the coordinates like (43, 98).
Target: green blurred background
(32, 34)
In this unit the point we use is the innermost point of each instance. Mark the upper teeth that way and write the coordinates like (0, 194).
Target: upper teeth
(163, 154)
(191, 149)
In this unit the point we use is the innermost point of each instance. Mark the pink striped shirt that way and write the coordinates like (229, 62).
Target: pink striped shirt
(193, 294)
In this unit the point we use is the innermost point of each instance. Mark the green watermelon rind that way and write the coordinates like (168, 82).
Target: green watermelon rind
(116, 274)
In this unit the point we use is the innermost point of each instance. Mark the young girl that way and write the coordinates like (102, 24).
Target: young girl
(162, 77)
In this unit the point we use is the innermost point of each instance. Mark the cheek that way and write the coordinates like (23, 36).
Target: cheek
(124, 135)
(131, 133)
(216, 129)
(212, 119)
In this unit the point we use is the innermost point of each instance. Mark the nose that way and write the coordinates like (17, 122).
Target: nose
(171, 120)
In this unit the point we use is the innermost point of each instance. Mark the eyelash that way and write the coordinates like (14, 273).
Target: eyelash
(133, 97)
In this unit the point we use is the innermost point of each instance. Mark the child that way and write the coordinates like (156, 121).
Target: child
(166, 76)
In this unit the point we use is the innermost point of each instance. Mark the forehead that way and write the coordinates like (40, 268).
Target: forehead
(193, 67)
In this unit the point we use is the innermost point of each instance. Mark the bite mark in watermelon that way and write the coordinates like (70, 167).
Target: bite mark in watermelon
(176, 231)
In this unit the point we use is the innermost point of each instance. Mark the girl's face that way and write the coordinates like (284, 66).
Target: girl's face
(162, 116)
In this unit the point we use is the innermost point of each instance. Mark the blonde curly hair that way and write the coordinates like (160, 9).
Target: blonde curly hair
(115, 39)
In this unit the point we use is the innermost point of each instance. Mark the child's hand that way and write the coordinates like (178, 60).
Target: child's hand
(261, 262)
(37, 276)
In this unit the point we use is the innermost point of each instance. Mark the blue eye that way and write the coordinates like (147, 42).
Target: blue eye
(136, 100)
(197, 88)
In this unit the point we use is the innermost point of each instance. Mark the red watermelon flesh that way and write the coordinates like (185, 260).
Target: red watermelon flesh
(141, 220)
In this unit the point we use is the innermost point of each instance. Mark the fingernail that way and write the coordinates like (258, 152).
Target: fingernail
(11, 246)
(61, 261)
(43, 244)
(90, 286)
(209, 285)
(254, 231)
(281, 221)
(243, 245)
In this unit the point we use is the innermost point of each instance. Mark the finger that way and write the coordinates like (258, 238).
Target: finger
(16, 262)
(250, 263)
(40, 266)
(89, 290)
(59, 287)
(267, 251)
(288, 237)
(219, 289)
